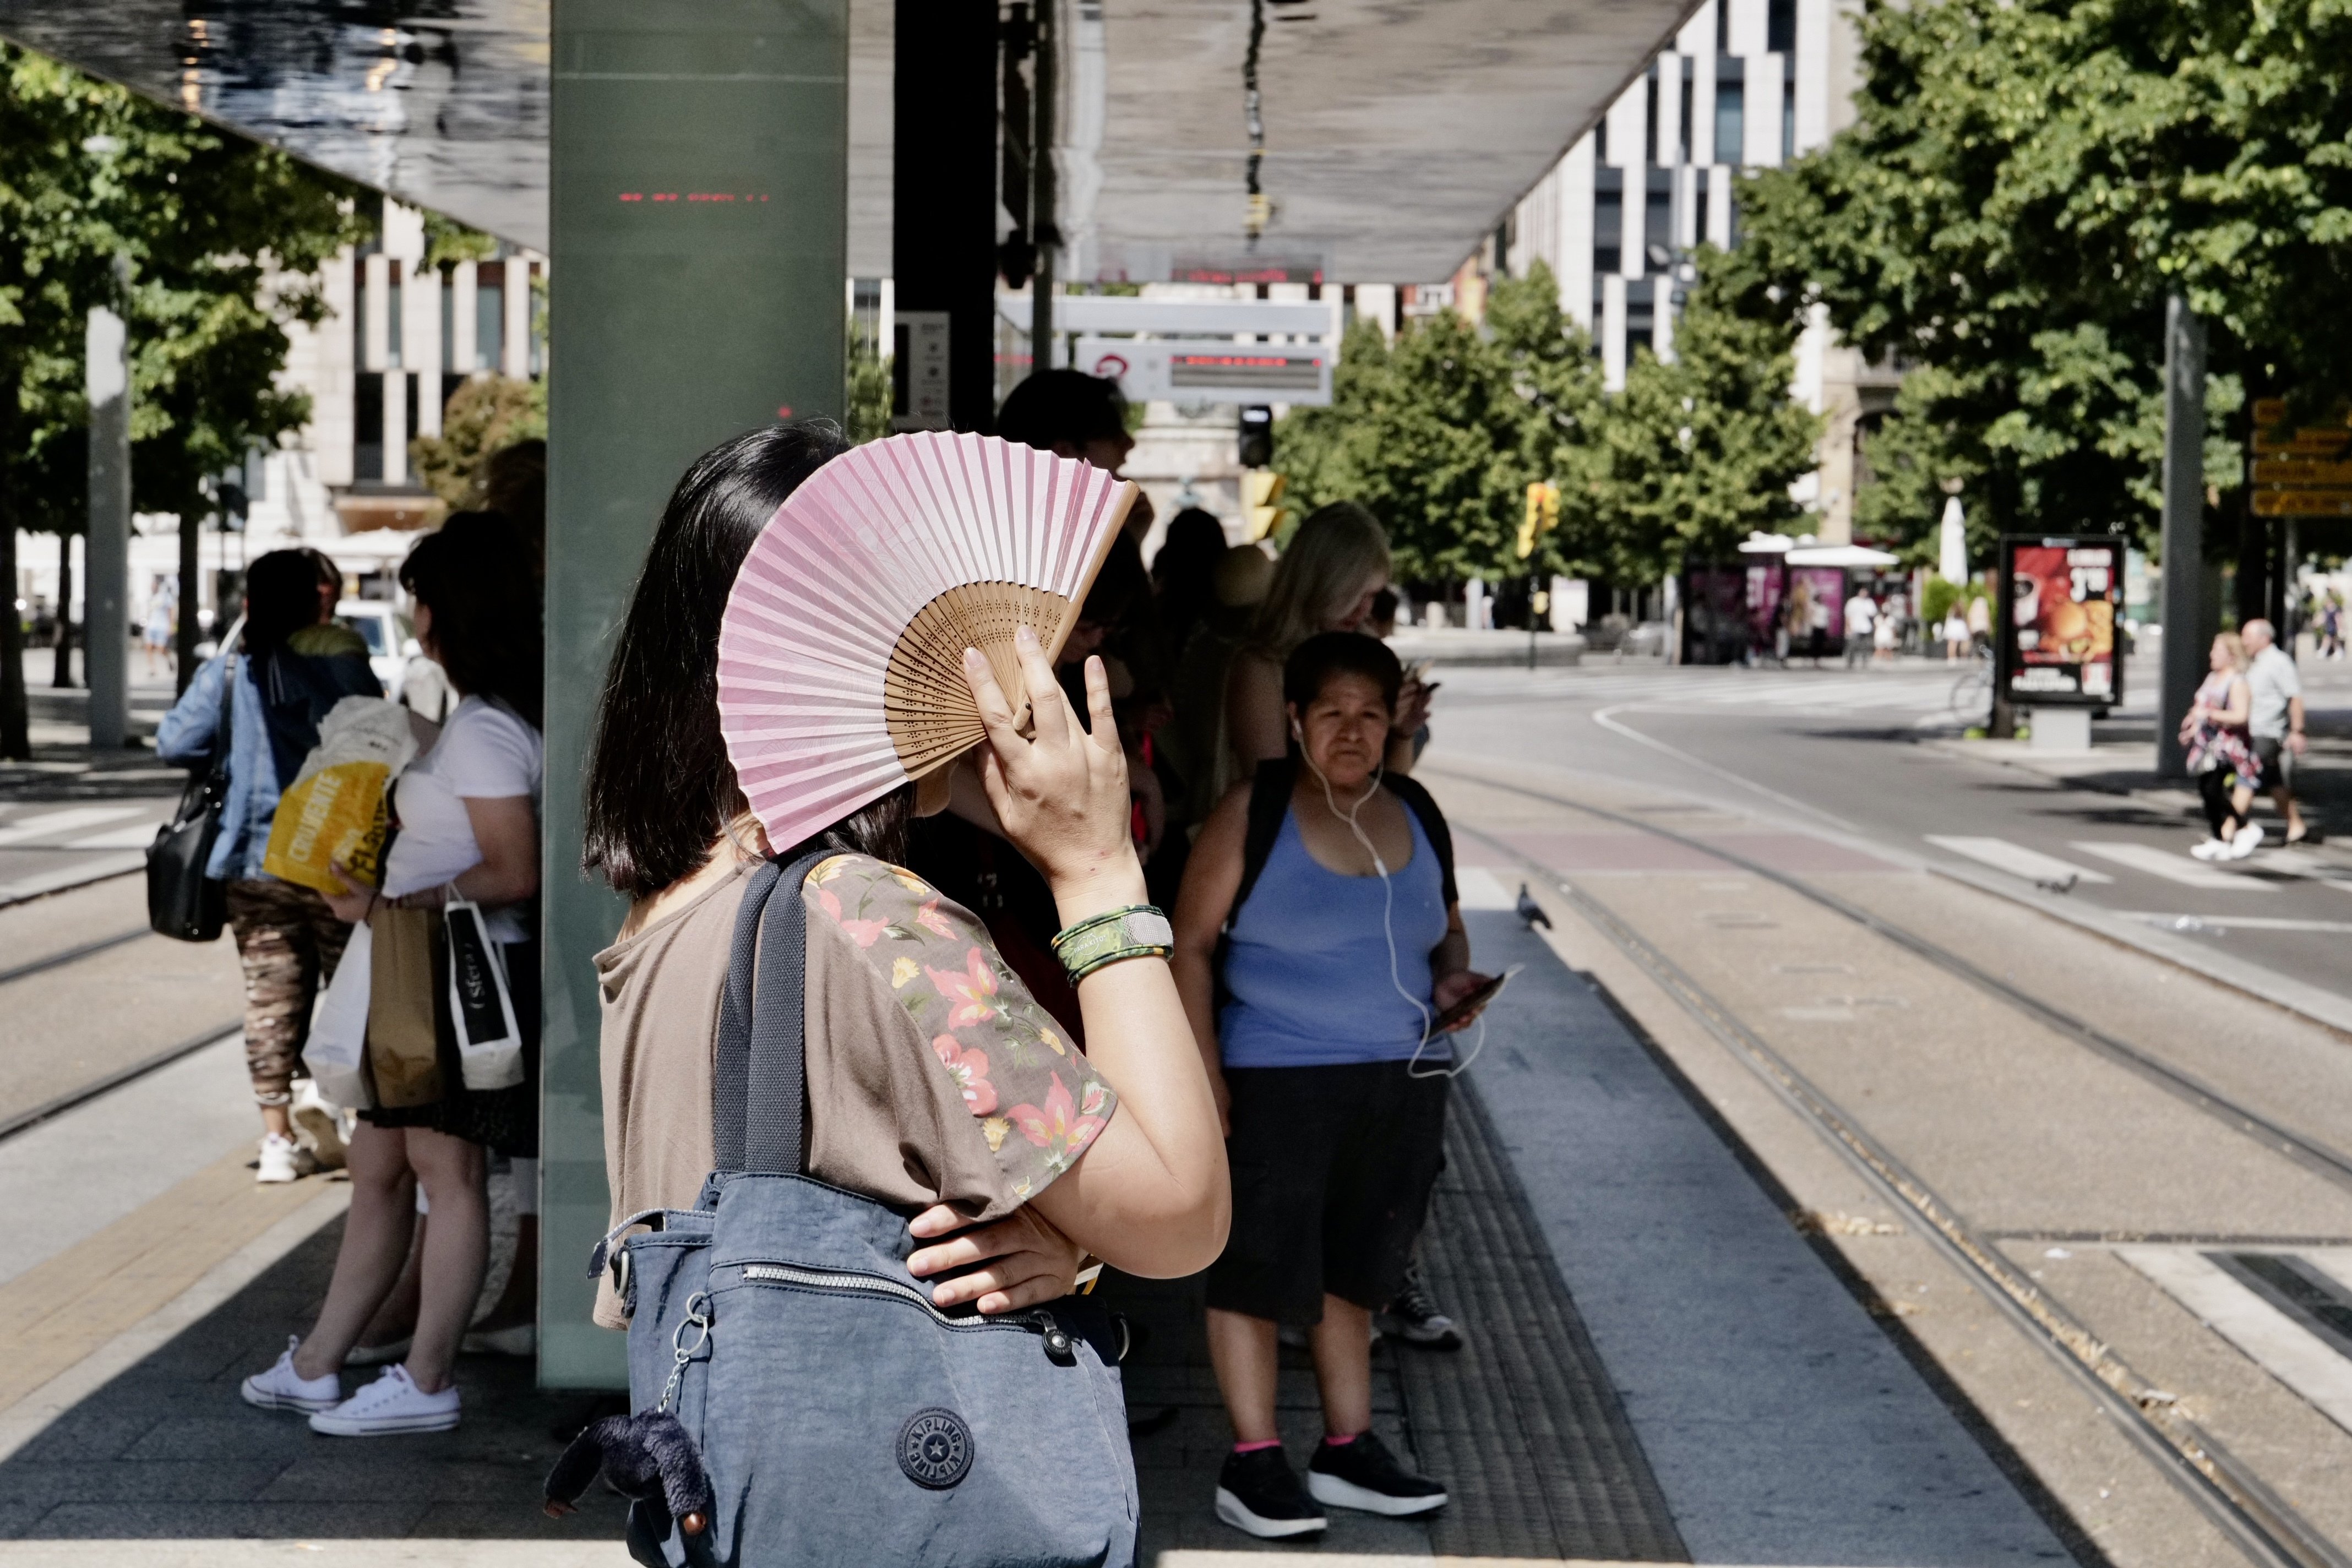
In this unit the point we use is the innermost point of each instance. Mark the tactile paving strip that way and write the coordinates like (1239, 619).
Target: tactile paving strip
(1522, 1423)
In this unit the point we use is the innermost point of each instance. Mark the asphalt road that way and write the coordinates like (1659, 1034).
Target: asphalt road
(1876, 756)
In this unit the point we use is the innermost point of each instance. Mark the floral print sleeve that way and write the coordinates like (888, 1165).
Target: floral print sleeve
(1038, 1103)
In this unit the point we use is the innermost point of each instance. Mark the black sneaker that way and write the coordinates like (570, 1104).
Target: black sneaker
(1258, 1492)
(1364, 1474)
(1417, 1319)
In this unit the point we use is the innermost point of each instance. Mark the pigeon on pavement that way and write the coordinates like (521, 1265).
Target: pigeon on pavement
(1531, 912)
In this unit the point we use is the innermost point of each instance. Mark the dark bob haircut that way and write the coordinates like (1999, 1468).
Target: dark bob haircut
(1068, 406)
(476, 574)
(660, 790)
(282, 597)
(1313, 663)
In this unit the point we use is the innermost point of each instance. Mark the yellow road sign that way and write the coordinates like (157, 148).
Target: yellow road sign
(1261, 492)
(1542, 515)
(2303, 504)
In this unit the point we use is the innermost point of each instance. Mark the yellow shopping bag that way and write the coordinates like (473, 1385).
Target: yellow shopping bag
(338, 807)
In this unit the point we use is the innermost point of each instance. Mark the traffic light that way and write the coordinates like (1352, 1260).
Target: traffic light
(1261, 492)
(1542, 515)
(1257, 436)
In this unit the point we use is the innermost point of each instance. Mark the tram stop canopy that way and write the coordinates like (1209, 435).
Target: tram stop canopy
(1306, 140)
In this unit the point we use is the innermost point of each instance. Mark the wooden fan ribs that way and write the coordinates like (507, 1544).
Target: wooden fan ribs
(841, 667)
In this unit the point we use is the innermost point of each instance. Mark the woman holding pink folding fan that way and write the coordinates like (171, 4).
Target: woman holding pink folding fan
(934, 1083)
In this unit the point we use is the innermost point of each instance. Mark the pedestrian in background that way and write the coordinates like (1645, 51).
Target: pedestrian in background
(2221, 753)
(468, 820)
(1335, 566)
(1861, 625)
(288, 939)
(1338, 955)
(1980, 625)
(2275, 720)
(1956, 635)
(1184, 573)
(1194, 737)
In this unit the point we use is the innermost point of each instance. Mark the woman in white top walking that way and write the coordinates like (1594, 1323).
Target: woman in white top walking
(467, 814)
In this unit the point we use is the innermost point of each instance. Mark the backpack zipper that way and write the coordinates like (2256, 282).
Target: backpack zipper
(1031, 1322)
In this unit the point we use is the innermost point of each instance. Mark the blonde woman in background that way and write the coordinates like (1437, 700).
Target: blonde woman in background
(1336, 563)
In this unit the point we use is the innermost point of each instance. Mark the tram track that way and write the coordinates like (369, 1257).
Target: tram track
(71, 955)
(2225, 1489)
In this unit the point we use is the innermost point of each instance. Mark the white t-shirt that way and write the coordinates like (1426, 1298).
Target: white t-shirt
(484, 752)
(2274, 680)
(1861, 614)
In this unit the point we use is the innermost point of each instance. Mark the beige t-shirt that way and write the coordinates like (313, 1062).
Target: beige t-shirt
(932, 1076)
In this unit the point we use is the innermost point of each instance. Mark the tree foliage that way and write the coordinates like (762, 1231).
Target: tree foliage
(207, 245)
(2026, 181)
(1699, 451)
(487, 413)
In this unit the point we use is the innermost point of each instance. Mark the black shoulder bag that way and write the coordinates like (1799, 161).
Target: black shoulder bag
(183, 901)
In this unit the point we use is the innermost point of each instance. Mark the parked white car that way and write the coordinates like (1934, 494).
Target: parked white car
(393, 653)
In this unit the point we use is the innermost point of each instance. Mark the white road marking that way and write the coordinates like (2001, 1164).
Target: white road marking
(2017, 860)
(137, 835)
(1481, 889)
(2277, 1343)
(2237, 923)
(50, 824)
(2176, 866)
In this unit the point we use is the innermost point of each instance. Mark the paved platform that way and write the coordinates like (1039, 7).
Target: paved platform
(1661, 1368)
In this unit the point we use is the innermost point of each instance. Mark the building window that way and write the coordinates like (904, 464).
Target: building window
(1641, 314)
(1789, 108)
(1608, 221)
(489, 315)
(367, 428)
(1650, 116)
(1730, 101)
(1658, 219)
(441, 281)
(1780, 26)
(1684, 152)
(1722, 27)
(392, 293)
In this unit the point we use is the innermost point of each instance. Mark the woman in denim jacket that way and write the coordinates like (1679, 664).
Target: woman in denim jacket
(283, 676)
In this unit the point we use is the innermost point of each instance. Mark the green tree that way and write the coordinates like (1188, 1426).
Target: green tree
(1699, 451)
(1552, 367)
(866, 403)
(218, 242)
(2026, 181)
(1439, 435)
(487, 413)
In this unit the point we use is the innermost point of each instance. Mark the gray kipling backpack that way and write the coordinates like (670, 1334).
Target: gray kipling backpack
(825, 1411)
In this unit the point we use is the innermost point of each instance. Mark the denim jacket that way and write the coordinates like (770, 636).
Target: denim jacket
(185, 737)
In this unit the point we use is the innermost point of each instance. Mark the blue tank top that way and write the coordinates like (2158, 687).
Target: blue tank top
(1308, 965)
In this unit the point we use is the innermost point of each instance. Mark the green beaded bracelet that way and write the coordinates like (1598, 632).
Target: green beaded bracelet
(1137, 930)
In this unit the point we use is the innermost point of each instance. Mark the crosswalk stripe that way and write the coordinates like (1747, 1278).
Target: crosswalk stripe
(2017, 860)
(2174, 866)
(50, 824)
(2277, 1343)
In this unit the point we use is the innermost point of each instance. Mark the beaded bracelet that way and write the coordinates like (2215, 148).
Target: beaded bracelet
(1137, 931)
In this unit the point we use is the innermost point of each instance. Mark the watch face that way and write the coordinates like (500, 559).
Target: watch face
(1150, 928)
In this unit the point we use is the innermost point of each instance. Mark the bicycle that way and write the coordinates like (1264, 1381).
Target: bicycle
(1971, 697)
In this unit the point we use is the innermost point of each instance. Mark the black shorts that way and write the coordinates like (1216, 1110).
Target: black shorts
(1332, 1168)
(2278, 762)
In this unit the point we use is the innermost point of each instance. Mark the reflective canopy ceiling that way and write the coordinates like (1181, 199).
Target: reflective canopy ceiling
(1394, 132)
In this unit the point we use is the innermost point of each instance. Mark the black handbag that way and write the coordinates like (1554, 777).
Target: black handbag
(183, 901)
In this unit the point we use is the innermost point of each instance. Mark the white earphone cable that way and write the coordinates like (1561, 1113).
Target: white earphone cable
(1388, 924)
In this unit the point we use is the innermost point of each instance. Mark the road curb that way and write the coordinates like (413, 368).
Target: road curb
(2308, 1001)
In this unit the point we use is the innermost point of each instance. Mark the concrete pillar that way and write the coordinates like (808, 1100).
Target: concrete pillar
(675, 325)
(943, 190)
(2187, 620)
(395, 426)
(106, 558)
(421, 351)
(376, 348)
(517, 322)
(465, 341)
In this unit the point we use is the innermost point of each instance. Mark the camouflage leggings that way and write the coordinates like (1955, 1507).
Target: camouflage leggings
(289, 941)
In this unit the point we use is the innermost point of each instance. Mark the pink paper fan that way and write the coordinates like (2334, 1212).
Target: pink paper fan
(841, 656)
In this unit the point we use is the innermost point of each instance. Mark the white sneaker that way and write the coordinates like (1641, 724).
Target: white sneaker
(2248, 839)
(282, 1388)
(390, 1405)
(281, 1160)
(2210, 848)
(319, 1124)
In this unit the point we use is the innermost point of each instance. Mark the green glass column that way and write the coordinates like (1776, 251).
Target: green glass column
(698, 196)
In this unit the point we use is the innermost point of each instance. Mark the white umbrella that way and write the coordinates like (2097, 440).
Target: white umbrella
(1852, 556)
(1953, 564)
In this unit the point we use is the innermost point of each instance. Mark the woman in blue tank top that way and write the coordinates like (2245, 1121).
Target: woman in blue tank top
(1338, 955)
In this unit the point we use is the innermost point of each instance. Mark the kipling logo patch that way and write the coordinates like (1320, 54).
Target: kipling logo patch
(935, 1448)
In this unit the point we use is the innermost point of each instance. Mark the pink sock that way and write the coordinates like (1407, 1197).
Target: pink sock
(1342, 1442)
(1253, 1448)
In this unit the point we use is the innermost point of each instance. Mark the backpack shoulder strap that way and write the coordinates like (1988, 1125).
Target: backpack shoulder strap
(1432, 825)
(758, 1102)
(1269, 802)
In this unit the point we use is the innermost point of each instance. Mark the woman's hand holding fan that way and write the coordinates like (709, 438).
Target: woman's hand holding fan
(1059, 791)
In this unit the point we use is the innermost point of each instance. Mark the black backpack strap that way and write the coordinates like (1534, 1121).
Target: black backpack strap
(758, 1100)
(1432, 825)
(1269, 803)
